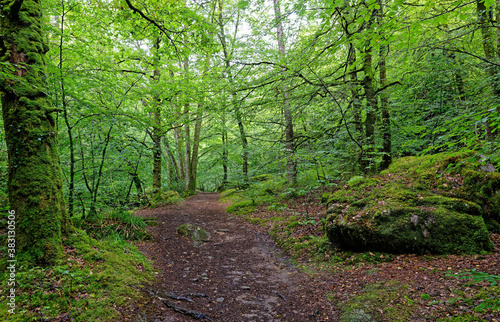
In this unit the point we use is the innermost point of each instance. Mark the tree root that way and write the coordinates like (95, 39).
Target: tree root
(194, 314)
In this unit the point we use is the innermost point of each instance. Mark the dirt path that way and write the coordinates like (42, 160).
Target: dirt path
(242, 274)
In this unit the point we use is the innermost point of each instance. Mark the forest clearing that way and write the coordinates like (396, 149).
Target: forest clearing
(249, 160)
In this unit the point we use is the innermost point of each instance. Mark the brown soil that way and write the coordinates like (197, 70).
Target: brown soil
(246, 278)
(242, 274)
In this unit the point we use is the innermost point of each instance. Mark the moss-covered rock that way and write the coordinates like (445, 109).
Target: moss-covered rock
(197, 234)
(436, 204)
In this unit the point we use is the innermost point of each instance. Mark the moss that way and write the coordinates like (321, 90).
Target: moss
(417, 206)
(162, 198)
(241, 204)
(384, 301)
(35, 176)
(228, 193)
(355, 181)
(325, 196)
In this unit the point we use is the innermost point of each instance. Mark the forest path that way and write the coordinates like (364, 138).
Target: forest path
(241, 272)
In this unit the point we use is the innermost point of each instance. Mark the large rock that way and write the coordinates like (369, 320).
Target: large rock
(418, 206)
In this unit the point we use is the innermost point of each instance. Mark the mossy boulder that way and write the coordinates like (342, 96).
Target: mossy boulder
(431, 204)
(197, 234)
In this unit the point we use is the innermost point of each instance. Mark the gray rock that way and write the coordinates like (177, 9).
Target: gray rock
(197, 234)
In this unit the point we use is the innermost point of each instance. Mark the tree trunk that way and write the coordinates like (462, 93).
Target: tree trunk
(485, 22)
(224, 149)
(367, 162)
(187, 146)
(384, 101)
(239, 118)
(291, 165)
(356, 103)
(244, 141)
(191, 180)
(69, 128)
(157, 131)
(35, 176)
(371, 106)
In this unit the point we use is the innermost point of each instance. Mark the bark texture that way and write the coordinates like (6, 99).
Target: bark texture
(35, 176)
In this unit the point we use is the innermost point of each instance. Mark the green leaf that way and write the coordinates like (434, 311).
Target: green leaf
(489, 3)
(243, 4)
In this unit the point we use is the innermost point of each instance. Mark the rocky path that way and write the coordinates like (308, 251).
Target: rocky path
(236, 276)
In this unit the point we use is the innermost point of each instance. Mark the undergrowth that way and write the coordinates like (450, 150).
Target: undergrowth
(95, 279)
(119, 222)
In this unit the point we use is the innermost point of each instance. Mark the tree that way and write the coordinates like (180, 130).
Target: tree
(35, 176)
(291, 166)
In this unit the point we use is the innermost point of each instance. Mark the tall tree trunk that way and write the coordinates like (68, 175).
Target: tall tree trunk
(291, 165)
(193, 165)
(485, 23)
(35, 176)
(239, 118)
(224, 149)
(179, 142)
(187, 146)
(157, 131)
(367, 162)
(384, 102)
(244, 141)
(71, 188)
(356, 99)
(173, 164)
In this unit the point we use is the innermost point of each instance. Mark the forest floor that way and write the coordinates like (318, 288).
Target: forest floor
(240, 275)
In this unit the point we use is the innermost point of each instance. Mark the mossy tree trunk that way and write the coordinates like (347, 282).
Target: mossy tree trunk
(157, 130)
(367, 162)
(35, 176)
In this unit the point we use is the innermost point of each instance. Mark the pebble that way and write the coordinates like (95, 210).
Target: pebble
(220, 299)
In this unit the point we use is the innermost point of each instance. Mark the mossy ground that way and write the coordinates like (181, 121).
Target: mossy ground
(383, 301)
(96, 279)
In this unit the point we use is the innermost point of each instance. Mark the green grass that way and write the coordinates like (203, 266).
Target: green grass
(96, 277)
